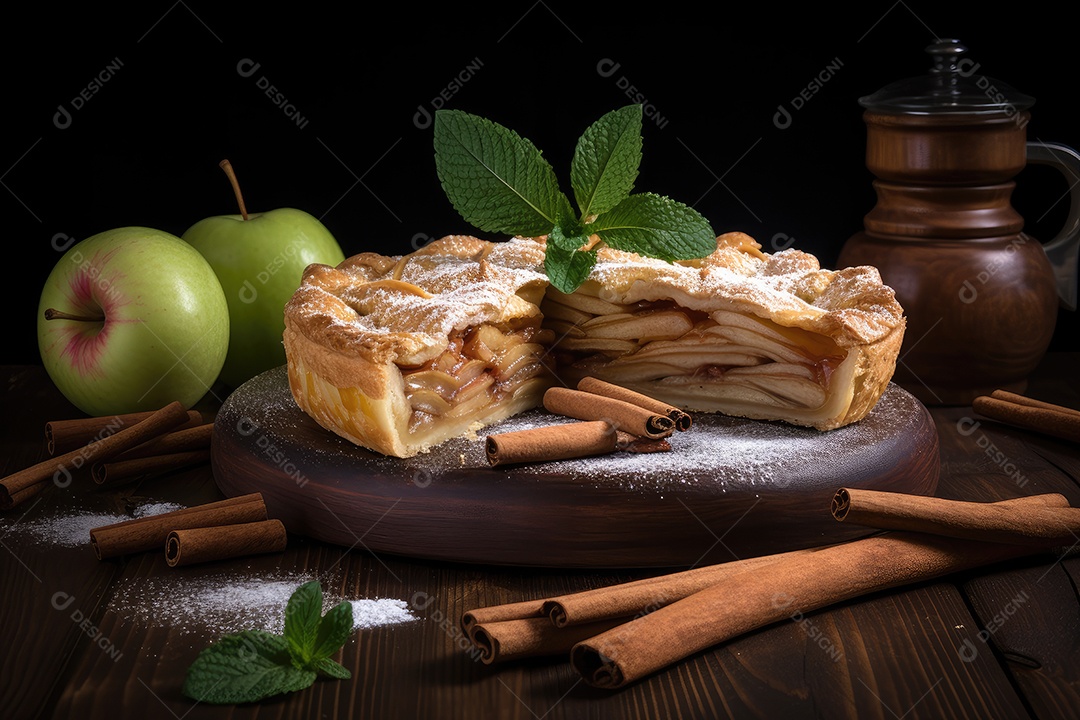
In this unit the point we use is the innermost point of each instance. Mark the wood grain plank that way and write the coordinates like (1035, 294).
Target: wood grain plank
(48, 592)
(876, 658)
(985, 461)
(1029, 616)
(1028, 613)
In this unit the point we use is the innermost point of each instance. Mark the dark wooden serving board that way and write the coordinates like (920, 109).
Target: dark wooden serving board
(730, 488)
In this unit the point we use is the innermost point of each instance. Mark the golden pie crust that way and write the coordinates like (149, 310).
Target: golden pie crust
(400, 353)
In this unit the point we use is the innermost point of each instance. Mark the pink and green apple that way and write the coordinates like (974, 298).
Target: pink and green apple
(259, 259)
(132, 319)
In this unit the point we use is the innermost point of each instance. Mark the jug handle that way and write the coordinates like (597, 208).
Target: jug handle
(1064, 249)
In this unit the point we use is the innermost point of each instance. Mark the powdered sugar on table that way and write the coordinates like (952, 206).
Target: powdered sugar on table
(223, 603)
(72, 527)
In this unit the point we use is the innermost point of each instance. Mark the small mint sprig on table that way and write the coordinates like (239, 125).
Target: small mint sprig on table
(500, 182)
(254, 664)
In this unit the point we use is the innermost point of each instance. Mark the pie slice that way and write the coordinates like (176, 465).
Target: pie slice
(740, 332)
(398, 354)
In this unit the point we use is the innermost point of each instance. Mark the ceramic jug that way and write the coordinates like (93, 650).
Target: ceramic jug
(981, 296)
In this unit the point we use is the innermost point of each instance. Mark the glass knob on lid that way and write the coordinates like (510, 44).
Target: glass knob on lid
(953, 85)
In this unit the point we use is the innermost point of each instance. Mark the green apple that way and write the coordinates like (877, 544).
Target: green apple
(259, 259)
(132, 319)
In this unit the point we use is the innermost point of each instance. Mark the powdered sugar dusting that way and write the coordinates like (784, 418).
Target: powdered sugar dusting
(155, 508)
(225, 603)
(72, 528)
(851, 305)
(368, 613)
(720, 450)
(407, 305)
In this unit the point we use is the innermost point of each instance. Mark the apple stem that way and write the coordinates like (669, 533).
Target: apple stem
(227, 167)
(54, 314)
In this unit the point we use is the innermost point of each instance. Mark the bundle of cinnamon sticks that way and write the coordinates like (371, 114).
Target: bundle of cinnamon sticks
(113, 449)
(609, 418)
(616, 635)
(125, 446)
(230, 528)
(1021, 411)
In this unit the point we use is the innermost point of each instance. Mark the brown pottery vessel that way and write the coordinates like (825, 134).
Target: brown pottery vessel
(980, 295)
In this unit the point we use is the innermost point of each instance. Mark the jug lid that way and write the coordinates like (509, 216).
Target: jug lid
(954, 85)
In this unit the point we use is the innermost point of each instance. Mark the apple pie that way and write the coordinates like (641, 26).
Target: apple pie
(399, 354)
(740, 332)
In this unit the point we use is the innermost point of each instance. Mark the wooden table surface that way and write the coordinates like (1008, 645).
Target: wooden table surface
(998, 642)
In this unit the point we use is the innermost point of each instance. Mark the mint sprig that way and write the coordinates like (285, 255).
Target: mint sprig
(254, 664)
(500, 182)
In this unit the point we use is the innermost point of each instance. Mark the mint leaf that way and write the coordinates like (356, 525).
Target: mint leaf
(245, 667)
(254, 664)
(567, 268)
(498, 181)
(329, 668)
(303, 615)
(606, 160)
(656, 226)
(335, 628)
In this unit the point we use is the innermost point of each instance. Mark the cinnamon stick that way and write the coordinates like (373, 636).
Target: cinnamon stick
(680, 417)
(552, 442)
(22, 496)
(184, 439)
(642, 596)
(471, 619)
(532, 637)
(753, 599)
(59, 467)
(124, 468)
(149, 533)
(205, 544)
(1026, 522)
(64, 435)
(623, 415)
(1054, 421)
(1018, 399)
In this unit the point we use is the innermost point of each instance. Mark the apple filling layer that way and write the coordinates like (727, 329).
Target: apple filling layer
(710, 361)
(740, 332)
(481, 371)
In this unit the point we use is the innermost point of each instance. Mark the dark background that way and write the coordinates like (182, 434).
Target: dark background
(144, 149)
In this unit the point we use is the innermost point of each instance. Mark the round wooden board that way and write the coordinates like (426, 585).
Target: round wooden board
(730, 488)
